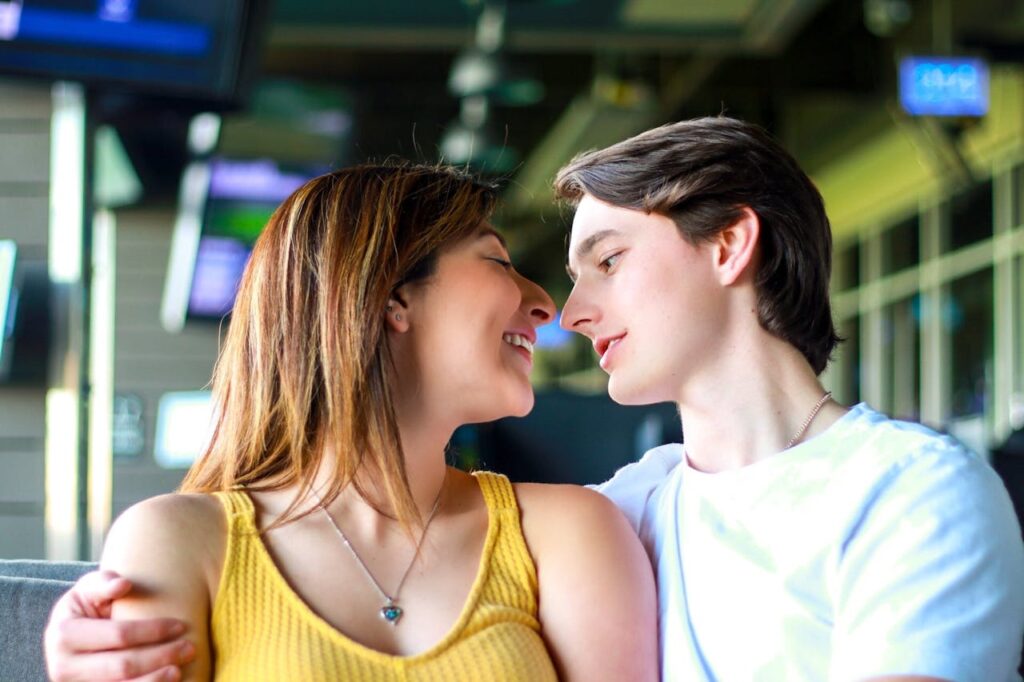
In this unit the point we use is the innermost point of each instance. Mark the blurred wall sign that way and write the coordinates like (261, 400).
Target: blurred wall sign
(944, 86)
(129, 434)
(117, 10)
(10, 19)
(184, 426)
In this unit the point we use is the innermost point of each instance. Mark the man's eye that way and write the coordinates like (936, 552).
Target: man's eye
(609, 262)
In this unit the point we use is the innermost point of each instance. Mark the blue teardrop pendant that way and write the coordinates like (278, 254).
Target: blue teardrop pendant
(391, 613)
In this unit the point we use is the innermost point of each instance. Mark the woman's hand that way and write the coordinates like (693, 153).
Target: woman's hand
(82, 643)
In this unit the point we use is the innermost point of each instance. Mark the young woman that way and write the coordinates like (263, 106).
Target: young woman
(322, 536)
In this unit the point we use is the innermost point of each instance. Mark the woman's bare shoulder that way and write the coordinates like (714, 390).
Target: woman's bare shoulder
(552, 513)
(153, 533)
(186, 514)
(564, 503)
(591, 569)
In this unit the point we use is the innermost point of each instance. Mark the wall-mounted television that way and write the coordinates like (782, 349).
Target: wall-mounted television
(196, 50)
(224, 205)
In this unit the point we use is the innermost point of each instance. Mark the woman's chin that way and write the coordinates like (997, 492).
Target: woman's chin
(518, 406)
(524, 410)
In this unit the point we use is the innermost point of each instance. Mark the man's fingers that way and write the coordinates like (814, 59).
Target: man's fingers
(91, 596)
(152, 663)
(162, 675)
(88, 634)
(99, 586)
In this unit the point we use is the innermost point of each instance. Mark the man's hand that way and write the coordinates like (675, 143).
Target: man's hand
(82, 643)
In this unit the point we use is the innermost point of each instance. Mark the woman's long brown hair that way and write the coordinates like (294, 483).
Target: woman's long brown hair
(305, 361)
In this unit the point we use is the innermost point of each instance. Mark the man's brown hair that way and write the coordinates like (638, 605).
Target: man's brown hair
(702, 173)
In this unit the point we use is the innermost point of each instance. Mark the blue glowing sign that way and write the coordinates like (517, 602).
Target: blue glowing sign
(552, 335)
(944, 86)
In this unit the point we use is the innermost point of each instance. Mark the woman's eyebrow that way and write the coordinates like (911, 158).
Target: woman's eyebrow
(491, 232)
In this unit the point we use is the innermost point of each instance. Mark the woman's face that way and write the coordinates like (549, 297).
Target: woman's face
(464, 345)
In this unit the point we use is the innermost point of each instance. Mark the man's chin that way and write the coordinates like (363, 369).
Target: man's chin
(624, 393)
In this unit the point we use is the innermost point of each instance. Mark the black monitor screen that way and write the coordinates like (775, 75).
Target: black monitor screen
(160, 47)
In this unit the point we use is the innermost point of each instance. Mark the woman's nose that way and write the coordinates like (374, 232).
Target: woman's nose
(537, 303)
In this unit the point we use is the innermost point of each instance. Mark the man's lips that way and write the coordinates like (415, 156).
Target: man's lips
(605, 343)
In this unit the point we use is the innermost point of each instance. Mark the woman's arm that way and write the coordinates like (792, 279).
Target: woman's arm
(170, 548)
(598, 608)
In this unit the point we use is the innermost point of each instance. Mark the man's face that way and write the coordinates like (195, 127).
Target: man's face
(648, 300)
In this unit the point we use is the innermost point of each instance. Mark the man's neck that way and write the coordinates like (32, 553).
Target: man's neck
(750, 404)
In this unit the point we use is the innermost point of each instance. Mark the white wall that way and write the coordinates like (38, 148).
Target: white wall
(24, 215)
(148, 360)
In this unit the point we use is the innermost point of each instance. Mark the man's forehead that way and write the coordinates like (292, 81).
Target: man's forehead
(584, 224)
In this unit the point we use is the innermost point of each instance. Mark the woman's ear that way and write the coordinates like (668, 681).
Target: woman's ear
(735, 246)
(396, 313)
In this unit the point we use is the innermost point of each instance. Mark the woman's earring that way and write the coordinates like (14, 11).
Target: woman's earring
(398, 316)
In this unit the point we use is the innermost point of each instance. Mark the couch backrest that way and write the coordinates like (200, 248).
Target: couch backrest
(28, 590)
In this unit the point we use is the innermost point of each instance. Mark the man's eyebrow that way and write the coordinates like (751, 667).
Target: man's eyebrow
(588, 245)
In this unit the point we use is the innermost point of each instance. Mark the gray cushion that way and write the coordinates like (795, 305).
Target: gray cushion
(28, 590)
(69, 571)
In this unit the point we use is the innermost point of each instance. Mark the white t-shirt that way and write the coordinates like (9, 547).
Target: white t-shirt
(878, 547)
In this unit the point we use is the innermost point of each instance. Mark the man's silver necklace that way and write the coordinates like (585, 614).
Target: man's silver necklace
(807, 422)
(391, 612)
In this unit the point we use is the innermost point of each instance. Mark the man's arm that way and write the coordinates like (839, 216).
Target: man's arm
(82, 643)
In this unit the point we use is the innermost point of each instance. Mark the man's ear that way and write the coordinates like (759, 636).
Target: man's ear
(734, 247)
(397, 312)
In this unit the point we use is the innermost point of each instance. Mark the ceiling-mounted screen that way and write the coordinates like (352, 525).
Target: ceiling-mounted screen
(201, 50)
(944, 86)
(225, 204)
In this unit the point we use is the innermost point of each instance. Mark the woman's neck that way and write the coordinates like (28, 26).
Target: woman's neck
(423, 451)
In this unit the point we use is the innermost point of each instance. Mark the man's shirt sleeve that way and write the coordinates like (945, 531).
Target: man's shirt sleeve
(931, 579)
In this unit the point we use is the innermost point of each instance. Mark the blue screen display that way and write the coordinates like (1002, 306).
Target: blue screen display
(944, 86)
(242, 195)
(163, 47)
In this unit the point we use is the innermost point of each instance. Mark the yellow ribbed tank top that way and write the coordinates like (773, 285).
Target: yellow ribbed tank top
(262, 630)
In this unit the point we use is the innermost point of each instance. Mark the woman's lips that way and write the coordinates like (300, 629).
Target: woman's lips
(525, 353)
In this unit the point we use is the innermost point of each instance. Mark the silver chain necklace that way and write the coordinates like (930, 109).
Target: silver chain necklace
(391, 612)
(807, 422)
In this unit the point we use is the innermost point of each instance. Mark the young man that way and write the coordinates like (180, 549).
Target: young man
(793, 539)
